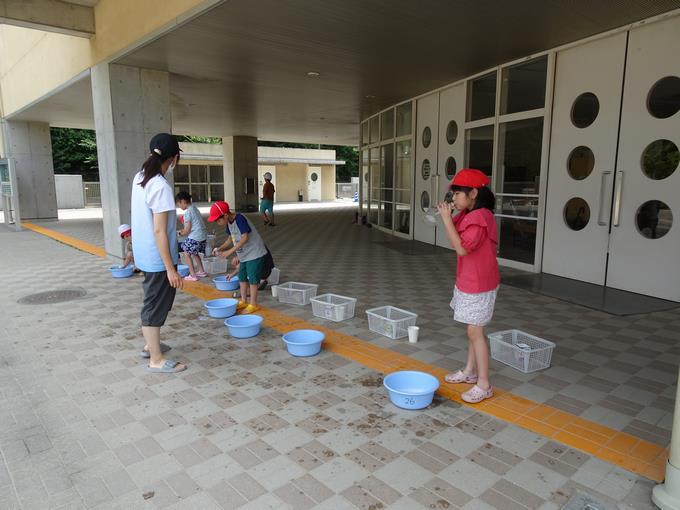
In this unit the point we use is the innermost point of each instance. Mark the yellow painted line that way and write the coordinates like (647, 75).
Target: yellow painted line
(619, 448)
(66, 239)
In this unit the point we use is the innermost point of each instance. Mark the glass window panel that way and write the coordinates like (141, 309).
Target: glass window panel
(386, 215)
(403, 173)
(182, 187)
(364, 132)
(523, 86)
(580, 163)
(364, 178)
(451, 132)
(517, 206)
(387, 166)
(576, 213)
(654, 219)
(216, 192)
(404, 119)
(199, 173)
(181, 173)
(402, 196)
(375, 168)
(216, 173)
(387, 124)
(479, 148)
(386, 195)
(520, 151)
(664, 97)
(482, 97)
(373, 213)
(402, 220)
(517, 239)
(585, 109)
(660, 159)
(374, 129)
(199, 192)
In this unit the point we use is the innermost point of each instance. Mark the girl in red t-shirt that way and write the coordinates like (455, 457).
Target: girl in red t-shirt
(474, 237)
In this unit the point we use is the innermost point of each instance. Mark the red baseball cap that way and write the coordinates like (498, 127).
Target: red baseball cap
(470, 178)
(217, 210)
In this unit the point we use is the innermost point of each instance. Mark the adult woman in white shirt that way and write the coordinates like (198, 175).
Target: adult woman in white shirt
(154, 243)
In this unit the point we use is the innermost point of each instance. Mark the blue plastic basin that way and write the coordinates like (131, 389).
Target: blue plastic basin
(304, 342)
(183, 270)
(221, 283)
(121, 272)
(221, 308)
(244, 326)
(410, 389)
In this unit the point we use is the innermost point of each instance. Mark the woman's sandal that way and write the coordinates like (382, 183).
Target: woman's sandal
(145, 354)
(169, 367)
(476, 394)
(460, 377)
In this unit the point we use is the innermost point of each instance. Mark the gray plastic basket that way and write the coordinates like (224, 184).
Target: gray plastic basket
(296, 293)
(527, 353)
(333, 307)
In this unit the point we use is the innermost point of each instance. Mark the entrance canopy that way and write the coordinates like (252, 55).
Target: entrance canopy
(309, 71)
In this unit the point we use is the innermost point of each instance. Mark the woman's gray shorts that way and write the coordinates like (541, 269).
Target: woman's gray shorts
(159, 296)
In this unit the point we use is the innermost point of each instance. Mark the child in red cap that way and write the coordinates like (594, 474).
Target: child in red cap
(474, 237)
(248, 247)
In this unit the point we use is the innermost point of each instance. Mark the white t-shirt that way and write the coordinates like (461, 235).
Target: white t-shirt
(155, 197)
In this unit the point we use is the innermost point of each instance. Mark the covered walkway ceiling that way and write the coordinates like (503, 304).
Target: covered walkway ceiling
(242, 67)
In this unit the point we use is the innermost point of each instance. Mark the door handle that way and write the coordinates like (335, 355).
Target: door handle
(600, 221)
(617, 198)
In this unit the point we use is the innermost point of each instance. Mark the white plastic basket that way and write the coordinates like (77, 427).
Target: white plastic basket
(215, 265)
(333, 307)
(527, 353)
(274, 276)
(296, 293)
(390, 321)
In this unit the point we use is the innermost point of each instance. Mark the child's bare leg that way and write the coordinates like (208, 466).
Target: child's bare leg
(199, 263)
(243, 287)
(470, 366)
(481, 355)
(253, 294)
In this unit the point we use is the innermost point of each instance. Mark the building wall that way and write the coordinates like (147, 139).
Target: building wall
(56, 59)
(328, 182)
(289, 179)
(69, 191)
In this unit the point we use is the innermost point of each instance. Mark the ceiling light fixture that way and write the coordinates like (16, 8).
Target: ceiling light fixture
(369, 96)
(313, 74)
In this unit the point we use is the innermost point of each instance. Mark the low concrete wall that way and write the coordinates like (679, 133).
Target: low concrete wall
(69, 191)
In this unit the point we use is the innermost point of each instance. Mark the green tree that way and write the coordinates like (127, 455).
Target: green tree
(74, 151)
(199, 139)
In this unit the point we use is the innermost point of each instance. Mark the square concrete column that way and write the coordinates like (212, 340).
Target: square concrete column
(130, 106)
(30, 146)
(240, 163)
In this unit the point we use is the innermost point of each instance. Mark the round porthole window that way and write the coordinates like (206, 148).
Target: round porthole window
(450, 167)
(425, 201)
(366, 177)
(576, 213)
(585, 109)
(451, 132)
(580, 163)
(314, 177)
(664, 97)
(660, 159)
(427, 137)
(654, 219)
(426, 169)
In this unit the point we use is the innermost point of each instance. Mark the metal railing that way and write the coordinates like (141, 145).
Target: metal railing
(92, 193)
(346, 189)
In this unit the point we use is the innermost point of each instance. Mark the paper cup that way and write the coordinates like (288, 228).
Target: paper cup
(275, 291)
(413, 334)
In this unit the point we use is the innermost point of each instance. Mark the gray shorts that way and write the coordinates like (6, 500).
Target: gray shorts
(159, 296)
(474, 309)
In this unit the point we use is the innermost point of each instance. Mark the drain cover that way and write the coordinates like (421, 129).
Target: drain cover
(582, 501)
(53, 296)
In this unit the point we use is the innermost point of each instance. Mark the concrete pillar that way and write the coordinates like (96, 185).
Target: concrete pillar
(130, 106)
(667, 495)
(30, 146)
(240, 162)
